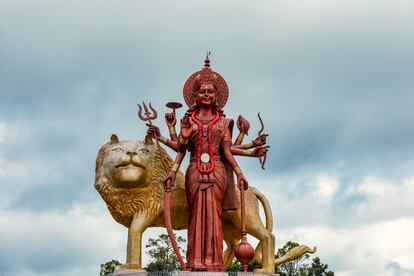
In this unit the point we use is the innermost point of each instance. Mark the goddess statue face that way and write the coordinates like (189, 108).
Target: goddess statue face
(207, 94)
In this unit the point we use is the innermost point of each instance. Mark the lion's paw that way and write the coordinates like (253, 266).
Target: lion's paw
(263, 271)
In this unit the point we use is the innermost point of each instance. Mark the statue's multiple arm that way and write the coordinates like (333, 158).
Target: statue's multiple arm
(170, 120)
(226, 146)
(257, 142)
(182, 145)
(258, 151)
(254, 149)
(154, 132)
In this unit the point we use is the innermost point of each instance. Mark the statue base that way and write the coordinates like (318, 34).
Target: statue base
(201, 273)
(226, 273)
(140, 272)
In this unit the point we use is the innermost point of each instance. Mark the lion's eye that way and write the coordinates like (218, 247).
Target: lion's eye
(117, 149)
(143, 150)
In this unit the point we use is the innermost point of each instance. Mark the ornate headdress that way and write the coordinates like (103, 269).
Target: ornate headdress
(204, 76)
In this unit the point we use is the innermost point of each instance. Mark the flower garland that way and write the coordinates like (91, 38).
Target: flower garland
(210, 142)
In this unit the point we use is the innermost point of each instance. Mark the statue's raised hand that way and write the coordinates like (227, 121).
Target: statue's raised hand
(260, 151)
(153, 131)
(170, 119)
(260, 140)
(186, 127)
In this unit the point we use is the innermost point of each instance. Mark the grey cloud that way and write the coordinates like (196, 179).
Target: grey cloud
(333, 82)
(397, 269)
(57, 243)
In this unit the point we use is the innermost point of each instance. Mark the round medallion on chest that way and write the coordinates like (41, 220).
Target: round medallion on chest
(205, 157)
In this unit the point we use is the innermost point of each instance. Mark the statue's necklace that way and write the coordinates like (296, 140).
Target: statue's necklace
(210, 142)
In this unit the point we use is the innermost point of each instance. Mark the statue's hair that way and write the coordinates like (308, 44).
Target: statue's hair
(124, 203)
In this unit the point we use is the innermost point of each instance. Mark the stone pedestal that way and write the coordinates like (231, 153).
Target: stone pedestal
(139, 272)
(199, 273)
(131, 272)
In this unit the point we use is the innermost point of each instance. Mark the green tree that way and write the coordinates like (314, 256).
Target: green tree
(236, 266)
(317, 268)
(162, 254)
(108, 268)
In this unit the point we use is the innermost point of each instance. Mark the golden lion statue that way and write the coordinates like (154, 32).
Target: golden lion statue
(129, 177)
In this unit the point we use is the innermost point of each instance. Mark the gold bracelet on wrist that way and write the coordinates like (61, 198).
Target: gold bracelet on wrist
(246, 153)
(237, 170)
(183, 141)
(175, 167)
(163, 140)
(240, 137)
(171, 130)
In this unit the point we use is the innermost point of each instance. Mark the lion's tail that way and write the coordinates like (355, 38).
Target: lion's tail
(266, 206)
(294, 254)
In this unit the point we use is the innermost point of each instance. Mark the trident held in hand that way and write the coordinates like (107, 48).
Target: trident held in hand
(148, 115)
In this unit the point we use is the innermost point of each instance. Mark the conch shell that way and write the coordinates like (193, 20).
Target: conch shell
(243, 125)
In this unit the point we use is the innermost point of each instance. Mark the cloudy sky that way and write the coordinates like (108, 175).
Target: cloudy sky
(333, 81)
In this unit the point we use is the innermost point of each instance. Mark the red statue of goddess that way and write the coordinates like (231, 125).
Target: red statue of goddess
(206, 133)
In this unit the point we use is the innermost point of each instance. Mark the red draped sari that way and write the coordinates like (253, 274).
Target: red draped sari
(205, 194)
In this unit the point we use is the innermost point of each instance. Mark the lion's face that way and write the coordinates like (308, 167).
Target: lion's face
(128, 164)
